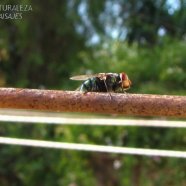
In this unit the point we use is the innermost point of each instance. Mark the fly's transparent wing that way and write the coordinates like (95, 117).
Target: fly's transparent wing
(81, 77)
(85, 77)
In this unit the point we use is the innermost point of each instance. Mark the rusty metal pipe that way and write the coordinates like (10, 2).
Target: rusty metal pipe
(70, 101)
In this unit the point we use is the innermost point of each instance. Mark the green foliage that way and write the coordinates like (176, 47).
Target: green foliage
(40, 47)
(138, 22)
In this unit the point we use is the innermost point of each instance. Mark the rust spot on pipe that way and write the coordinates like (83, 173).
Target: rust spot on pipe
(70, 101)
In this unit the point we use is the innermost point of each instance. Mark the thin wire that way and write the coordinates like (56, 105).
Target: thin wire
(91, 121)
(93, 148)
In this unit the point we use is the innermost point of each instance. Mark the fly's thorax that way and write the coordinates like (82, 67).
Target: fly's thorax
(111, 83)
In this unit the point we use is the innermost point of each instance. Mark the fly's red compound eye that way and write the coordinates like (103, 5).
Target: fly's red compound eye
(123, 76)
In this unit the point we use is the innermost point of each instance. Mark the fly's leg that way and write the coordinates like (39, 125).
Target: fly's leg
(123, 90)
(107, 89)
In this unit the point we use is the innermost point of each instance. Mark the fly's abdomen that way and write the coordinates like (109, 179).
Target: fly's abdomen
(87, 86)
(92, 85)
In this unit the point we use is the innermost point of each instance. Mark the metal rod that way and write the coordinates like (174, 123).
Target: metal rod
(90, 121)
(70, 101)
(94, 148)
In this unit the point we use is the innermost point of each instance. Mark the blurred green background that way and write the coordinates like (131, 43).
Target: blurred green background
(62, 38)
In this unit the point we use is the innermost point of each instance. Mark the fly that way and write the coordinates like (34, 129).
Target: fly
(104, 82)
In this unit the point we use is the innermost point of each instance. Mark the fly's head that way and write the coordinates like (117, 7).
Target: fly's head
(125, 81)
